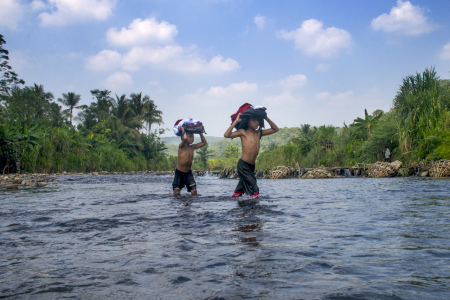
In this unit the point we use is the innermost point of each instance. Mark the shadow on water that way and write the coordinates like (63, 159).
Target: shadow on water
(125, 237)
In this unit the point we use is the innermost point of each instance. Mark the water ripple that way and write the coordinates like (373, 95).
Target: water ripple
(125, 237)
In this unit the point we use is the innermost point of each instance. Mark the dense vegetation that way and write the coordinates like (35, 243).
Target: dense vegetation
(115, 133)
(417, 128)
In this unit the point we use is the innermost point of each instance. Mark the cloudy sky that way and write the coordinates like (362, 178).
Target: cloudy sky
(318, 62)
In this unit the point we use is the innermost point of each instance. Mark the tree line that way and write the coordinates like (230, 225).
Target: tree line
(117, 133)
(113, 133)
(415, 129)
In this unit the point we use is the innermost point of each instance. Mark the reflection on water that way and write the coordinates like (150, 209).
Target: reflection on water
(124, 237)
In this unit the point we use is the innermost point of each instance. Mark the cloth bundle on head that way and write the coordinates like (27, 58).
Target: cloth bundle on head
(248, 111)
(190, 125)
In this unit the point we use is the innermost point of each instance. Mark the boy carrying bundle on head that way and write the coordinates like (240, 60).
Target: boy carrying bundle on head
(183, 173)
(248, 122)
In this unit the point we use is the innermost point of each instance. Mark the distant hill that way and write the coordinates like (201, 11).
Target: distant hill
(218, 144)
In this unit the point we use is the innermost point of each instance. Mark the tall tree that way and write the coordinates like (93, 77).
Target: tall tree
(123, 112)
(420, 103)
(145, 110)
(104, 103)
(28, 102)
(8, 78)
(152, 115)
(367, 124)
(71, 100)
(202, 156)
(87, 117)
(42, 100)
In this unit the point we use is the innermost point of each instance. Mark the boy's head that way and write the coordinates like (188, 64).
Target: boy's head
(253, 123)
(189, 136)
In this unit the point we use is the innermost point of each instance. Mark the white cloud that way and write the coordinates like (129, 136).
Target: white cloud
(142, 35)
(70, 11)
(118, 81)
(219, 95)
(176, 58)
(336, 99)
(105, 60)
(281, 99)
(313, 39)
(233, 89)
(11, 13)
(404, 18)
(445, 54)
(141, 32)
(323, 67)
(260, 21)
(37, 5)
(293, 82)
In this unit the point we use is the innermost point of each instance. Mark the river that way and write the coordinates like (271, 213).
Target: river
(124, 237)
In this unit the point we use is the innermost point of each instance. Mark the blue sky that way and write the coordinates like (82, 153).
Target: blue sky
(316, 62)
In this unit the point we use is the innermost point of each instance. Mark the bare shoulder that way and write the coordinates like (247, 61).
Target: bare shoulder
(237, 133)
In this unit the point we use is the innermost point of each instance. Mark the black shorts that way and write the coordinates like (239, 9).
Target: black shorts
(247, 181)
(182, 179)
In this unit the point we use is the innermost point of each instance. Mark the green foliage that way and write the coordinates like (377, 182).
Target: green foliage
(115, 134)
(421, 104)
(103, 142)
(71, 100)
(365, 126)
(8, 77)
(201, 157)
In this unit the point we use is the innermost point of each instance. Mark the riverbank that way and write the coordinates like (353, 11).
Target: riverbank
(377, 170)
(26, 180)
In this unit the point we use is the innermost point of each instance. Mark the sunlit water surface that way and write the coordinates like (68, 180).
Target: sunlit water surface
(124, 237)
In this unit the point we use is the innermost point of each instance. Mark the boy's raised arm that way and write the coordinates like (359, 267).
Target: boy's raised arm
(231, 135)
(202, 143)
(273, 128)
(184, 139)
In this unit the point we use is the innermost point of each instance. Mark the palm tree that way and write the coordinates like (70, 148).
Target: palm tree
(71, 100)
(368, 123)
(138, 103)
(203, 154)
(104, 104)
(42, 98)
(306, 131)
(145, 110)
(152, 115)
(126, 138)
(123, 112)
(87, 117)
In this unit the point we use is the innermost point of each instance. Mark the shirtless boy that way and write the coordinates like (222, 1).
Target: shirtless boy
(250, 140)
(183, 174)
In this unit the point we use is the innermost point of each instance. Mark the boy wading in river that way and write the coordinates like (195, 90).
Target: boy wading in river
(183, 174)
(250, 133)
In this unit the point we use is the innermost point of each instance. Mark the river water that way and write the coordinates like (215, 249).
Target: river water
(124, 237)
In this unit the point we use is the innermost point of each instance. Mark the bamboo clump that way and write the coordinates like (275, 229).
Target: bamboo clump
(381, 169)
(440, 168)
(318, 173)
(281, 172)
